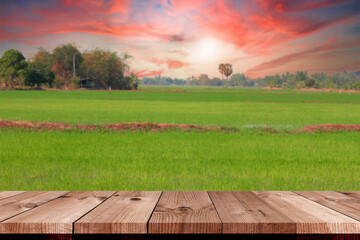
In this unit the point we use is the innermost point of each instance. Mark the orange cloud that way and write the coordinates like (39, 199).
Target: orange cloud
(171, 63)
(148, 73)
(302, 55)
(282, 6)
(174, 64)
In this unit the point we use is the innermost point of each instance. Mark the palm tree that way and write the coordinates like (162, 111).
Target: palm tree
(221, 70)
(134, 81)
(225, 69)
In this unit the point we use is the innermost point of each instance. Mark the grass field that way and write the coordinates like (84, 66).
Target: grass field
(208, 106)
(177, 160)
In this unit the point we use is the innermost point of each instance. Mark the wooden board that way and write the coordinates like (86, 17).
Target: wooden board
(184, 212)
(56, 216)
(244, 212)
(310, 217)
(124, 212)
(339, 202)
(19, 203)
(351, 193)
(129, 213)
(6, 194)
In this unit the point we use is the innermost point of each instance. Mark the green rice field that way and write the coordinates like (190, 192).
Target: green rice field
(246, 158)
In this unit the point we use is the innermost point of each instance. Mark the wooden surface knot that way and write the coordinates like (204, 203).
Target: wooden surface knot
(135, 199)
(29, 205)
(183, 209)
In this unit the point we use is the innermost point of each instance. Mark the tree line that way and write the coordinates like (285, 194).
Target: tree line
(301, 79)
(298, 80)
(237, 79)
(65, 67)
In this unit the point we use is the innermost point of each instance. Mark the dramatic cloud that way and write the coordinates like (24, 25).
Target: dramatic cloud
(330, 45)
(260, 35)
(355, 30)
(171, 64)
(147, 73)
(281, 6)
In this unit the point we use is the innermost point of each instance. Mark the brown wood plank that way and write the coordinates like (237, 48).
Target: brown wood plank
(244, 212)
(19, 203)
(185, 212)
(339, 202)
(6, 194)
(351, 193)
(310, 217)
(124, 212)
(57, 216)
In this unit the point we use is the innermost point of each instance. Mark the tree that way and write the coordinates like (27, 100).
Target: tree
(44, 57)
(134, 81)
(203, 79)
(238, 79)
(38, 74)
(356, 85)
(214, 82)
(309, 82)
(12, 65)
(221, 70)
(193, 81)
(63, 58)
(225, 69)
(106, 69)
(301, 76)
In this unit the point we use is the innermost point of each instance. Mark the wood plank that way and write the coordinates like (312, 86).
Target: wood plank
(244, 212)
(351, 193)
(6, 194)
(124, 212)
(185, 212)
(57, 216)
(310, 217)
(339, 202)
(19, 203)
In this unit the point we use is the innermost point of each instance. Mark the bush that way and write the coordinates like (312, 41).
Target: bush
(309, 82)
(59, 82)
(75, 82)
(356, 86)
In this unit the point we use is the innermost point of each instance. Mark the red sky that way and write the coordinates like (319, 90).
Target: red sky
(181, 38)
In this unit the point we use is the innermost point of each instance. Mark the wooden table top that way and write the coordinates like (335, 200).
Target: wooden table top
(156, 212)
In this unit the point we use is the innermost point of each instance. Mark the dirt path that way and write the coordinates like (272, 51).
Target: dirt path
(331, 127)
(154, 127)
(145, 126)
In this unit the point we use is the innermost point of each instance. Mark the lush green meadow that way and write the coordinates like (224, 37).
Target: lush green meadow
(249, 159)
(240, 107)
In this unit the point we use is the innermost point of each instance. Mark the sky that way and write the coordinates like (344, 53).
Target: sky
(183, 38)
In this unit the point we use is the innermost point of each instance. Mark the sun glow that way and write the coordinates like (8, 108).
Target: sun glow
(205, 50)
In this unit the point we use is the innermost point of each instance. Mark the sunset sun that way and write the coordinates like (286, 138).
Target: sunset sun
(206, 50)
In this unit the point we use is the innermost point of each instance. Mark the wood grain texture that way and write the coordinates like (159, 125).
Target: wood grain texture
(124, 212)
(244, 212)
(185, 212)
(6, 194)
(339, 202)
(20, 203)
(351, 193)
(310, 217)
(57, 216)
(136, 213)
